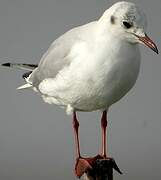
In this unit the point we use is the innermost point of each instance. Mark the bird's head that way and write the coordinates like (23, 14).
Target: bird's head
(127, 21)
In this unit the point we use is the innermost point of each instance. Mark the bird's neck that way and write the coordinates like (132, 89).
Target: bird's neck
(104, 25)
(113, 46)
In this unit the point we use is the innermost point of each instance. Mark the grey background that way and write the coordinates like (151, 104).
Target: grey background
(36, 140)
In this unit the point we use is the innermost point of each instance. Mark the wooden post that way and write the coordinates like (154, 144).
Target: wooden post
(102, 170)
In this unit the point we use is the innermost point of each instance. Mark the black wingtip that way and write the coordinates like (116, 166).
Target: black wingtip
(6, 64)
(26, 75)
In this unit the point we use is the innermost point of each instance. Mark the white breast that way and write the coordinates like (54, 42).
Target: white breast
(96, 78)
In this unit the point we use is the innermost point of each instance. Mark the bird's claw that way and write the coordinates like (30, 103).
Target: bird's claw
(94, 166)
(83, 165)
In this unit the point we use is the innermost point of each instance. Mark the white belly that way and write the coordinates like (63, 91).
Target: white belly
(94, 85)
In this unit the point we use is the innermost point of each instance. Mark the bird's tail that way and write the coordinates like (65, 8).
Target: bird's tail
(28, 67)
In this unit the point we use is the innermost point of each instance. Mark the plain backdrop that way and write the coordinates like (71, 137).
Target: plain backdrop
(36, 139)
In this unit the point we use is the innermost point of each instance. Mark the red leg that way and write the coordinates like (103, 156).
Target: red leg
(104, 126)
(76, 128)
(89, 164)
(82, 164)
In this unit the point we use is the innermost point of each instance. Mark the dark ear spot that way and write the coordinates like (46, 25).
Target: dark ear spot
(112, 20)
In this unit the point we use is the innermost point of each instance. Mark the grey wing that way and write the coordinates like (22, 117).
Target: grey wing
(51, 63)
(56, 57)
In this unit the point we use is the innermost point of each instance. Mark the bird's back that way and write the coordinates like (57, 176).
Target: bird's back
(56, 57)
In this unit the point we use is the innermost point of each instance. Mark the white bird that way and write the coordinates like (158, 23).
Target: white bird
(92, 66)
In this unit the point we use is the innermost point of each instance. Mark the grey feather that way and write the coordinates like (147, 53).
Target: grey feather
(57, 56)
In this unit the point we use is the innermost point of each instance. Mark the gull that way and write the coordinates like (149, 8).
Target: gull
(91, 67)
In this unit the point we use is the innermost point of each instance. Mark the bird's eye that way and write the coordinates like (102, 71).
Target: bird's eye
(127, 24)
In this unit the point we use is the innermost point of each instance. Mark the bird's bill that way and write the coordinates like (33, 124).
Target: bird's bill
(148, 42)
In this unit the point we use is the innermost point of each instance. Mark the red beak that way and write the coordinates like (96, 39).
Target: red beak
(148, 42)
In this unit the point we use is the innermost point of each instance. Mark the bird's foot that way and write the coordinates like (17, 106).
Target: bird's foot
(92, 165)
(84, 164)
